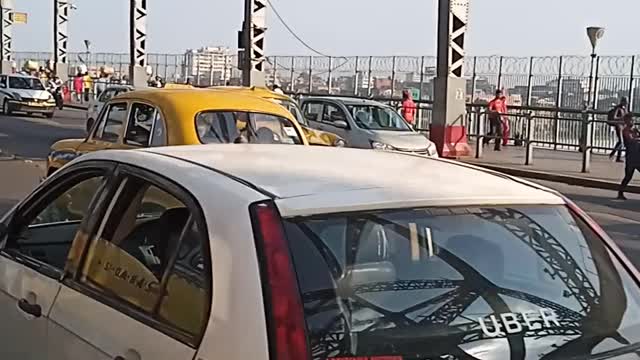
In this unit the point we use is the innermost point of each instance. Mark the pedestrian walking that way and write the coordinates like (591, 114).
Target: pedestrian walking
(615, 119)
(78, 86)
(497, 121)
(88, 86)
(630, 137)
(408, 107)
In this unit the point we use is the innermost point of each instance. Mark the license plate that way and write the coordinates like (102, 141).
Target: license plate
(34, 104)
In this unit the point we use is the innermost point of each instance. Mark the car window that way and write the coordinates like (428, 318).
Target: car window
(47, 231)
(459, 282)
(25, 83)
(112, 123)
(149, 254)
(226, 127)
(140, 124)
(159, 136)
(107, 95)
(378, 117)
(313, 111)
(333, 113)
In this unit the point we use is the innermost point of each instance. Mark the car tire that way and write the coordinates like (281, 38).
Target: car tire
(89, 125)
(49, 115)
(5, 108)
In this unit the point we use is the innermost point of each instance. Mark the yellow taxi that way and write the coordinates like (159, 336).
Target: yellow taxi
(164, 117)
(315, 137)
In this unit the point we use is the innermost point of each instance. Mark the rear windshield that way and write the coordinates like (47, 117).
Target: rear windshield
(529, 282)
(235, 127)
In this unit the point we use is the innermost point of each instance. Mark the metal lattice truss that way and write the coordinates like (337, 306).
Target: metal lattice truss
(257, 30)
(138, 33)
(61, 20)
(7, 32)
(450, 306)
(549, 249)
(458, 19)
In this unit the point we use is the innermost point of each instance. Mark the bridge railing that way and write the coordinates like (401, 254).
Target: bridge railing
(550, 82)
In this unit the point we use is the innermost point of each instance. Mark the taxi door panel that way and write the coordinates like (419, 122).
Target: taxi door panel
(24, 335)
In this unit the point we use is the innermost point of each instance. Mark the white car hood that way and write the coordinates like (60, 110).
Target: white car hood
(32, 94)
(405, 140)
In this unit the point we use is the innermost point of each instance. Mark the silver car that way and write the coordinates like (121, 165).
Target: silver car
(365, 124)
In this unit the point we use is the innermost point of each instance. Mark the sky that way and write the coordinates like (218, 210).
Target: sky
(344, 27)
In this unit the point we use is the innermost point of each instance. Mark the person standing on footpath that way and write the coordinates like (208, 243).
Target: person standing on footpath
(615, 119)
(630, 137)
(408, 107)
(497, 120)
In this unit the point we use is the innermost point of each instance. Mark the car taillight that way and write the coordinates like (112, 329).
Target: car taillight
(285, 317)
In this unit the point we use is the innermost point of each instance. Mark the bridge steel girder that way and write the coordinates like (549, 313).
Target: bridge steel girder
(6, 6)
(60, 37)
(254, 31)
(448, 128)
(138, 43)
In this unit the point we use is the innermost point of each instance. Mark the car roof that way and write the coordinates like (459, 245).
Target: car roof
(255, 91)
(194, 101)
(308, 180)
(22, 76)
(344, 100)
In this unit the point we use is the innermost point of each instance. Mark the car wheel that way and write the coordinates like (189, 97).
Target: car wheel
(5, 108)
(49, 115)
(90, 122)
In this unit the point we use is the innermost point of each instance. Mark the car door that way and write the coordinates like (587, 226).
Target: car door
(33, 254)
(332, 114)
(312, 111)
(140, 286)
(3, 88)
(108, 133)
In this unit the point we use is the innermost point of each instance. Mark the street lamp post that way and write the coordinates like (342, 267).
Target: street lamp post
(595, 34)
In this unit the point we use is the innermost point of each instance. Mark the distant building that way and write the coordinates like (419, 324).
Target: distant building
(208, 63)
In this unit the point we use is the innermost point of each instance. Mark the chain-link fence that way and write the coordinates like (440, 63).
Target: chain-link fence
(554, 82)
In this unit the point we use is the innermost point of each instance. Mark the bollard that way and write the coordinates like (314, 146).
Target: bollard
(528, 160)
(587, 128)
(480, 133)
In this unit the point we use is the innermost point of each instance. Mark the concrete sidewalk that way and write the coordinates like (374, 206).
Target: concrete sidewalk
(555, 165)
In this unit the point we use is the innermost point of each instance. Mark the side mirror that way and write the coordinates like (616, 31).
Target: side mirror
(3, 86)
(340, 124)
(311, 117)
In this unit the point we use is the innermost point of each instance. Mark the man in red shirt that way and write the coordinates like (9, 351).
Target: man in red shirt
(498, 121)
(408, 107)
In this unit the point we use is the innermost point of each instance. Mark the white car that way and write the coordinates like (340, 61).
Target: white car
(26, 94)
(257, 252)
(96, 104)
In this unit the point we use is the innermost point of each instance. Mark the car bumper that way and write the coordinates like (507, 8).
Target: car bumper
(33, 107)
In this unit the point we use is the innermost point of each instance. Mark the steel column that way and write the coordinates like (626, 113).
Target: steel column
(631, 83)
(369, 76)
(330, 79)
(310, 74)
(61, 38)
(356, 77)
(474, 79)
(530, 82)
(6, 6)
(254, 29)
(556, 120)
(499, 84)
(291, 79)
(393, 76)
(138, 43)
(448, 128)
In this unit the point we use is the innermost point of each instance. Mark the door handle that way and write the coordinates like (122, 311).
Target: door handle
(31, 309)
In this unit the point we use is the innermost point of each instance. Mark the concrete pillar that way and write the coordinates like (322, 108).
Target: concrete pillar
(6, 6)
(61, 38)
(448, 127)
(253, 35)
(138, 43)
